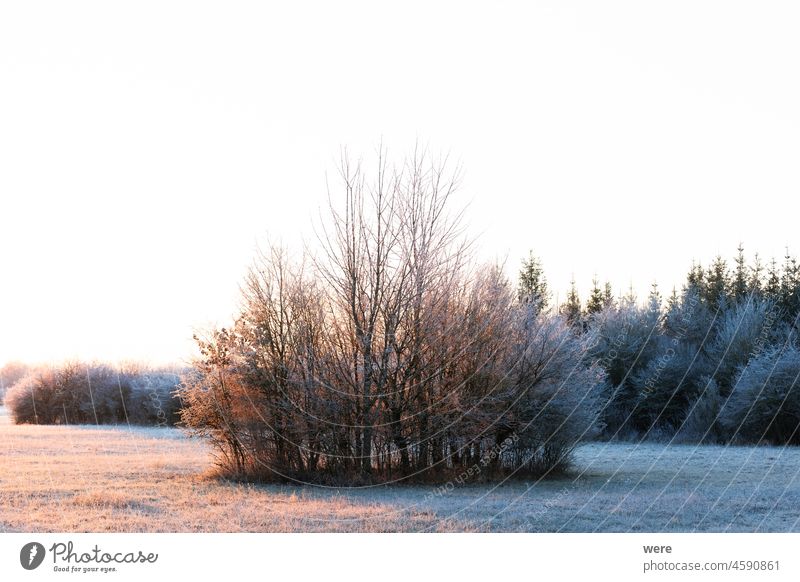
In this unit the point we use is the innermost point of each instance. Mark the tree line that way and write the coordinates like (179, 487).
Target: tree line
(716, 362)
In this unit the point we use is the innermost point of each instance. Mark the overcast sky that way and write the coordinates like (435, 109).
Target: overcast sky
(146, 147)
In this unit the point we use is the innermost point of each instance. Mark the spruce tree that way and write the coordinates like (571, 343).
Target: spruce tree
(608, 295)
(654, 299)
(740, 283)
(532, 285)
(772, 286)
(790, 286)
(572, 308)
(596, 298)
(717, 283)
(695, 279)
(754, 284)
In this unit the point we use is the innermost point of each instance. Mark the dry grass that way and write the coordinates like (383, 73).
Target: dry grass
(55, 478)
(77, 478)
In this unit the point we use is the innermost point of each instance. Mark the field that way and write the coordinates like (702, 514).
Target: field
(129, 479)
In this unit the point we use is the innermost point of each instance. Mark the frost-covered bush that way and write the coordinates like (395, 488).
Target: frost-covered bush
(743, 331)
(552, 393)
(701, 424)
(153, 398)
(673, 381)
(624, 342)
(676, 371)
(31, 400)
(52, 396)
(765, 402)
(667, 386)
(76, 393)
(10, 374)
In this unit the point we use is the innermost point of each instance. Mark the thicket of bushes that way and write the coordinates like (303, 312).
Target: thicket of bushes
(390, 355)
(76, 393)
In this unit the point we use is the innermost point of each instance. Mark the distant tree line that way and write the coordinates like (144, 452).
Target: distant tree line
(80, 393)
(716, 362)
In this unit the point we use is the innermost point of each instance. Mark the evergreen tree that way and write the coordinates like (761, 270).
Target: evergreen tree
(695, 279)
(572, 308)
(673, 301)
(772, 286)
(654, 299)
(790, 286)
(740, 279)
(630, 297)
(717, 283)
(608, 295)
(754, 283)
(532, 285)
(596, 298)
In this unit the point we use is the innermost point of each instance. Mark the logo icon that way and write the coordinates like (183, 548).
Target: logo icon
(31, 555)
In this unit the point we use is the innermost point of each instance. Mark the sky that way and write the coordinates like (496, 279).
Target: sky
(146, 148)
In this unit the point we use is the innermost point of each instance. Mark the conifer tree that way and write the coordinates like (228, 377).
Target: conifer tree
(772, 286)
(608, 295)
(654, 299)
(717, 283)
(596, 298)
(532, 286)
(740, 282)
(572, 308)
(754, 284)
(790, 286)
(695, 279)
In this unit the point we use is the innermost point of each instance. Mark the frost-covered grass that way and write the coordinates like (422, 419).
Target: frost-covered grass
(68, 478)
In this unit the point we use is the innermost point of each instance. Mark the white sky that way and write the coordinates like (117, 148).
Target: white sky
(145, 147)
